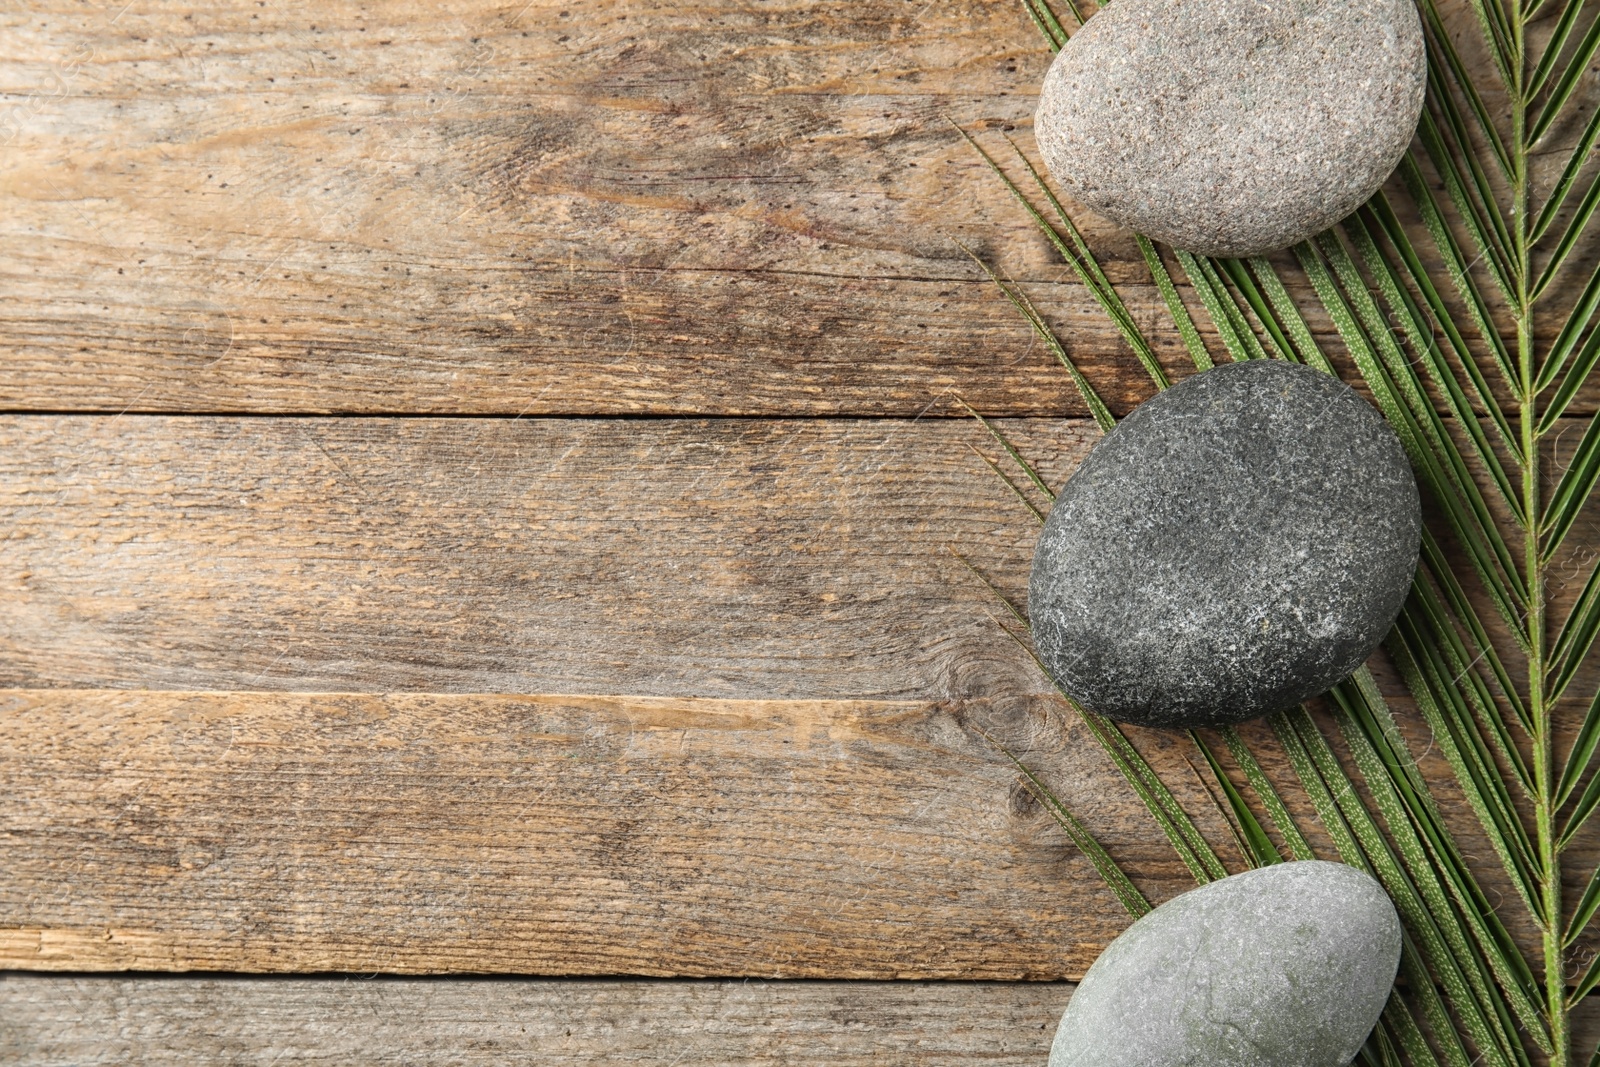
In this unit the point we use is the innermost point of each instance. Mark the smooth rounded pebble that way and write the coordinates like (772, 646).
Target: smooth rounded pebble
(1283, 966)
(1238, 544)
(1233, 127)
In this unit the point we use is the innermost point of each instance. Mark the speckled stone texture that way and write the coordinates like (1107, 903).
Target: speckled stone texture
(1233, 127)
(1284, 966)
(1238, 544)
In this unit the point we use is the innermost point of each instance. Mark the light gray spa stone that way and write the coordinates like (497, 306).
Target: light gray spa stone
(1283, 966)
(1236, 545)
(1233, 127)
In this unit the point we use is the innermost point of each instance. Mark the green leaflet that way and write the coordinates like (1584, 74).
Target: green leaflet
(1298, 847)
(1252, 838)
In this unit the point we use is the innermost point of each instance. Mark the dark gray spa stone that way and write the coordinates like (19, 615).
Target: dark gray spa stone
(1284, 966)
(1233, 127)
(1238, 544)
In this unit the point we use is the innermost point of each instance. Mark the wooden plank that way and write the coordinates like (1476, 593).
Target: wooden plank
(556, 207)
(78, 1021)
(547, 207)
(728, 558)
(177, 1021)
(564, 834)
(550, 835)
(731, 558)
(56, 1022)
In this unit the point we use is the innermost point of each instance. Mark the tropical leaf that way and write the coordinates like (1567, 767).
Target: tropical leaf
(1446, 309)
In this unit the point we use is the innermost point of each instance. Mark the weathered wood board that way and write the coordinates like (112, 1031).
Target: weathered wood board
(551, 835)
(77, 1021)
(520, 208)
(496, 833)
(535, 207)
(56, 1022)
(736, 558)
(812, 559)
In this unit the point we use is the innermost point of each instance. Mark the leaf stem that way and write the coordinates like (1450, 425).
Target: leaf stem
(1539, 710)
(1539, 706)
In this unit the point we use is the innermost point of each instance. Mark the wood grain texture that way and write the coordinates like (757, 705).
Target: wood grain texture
(735, 560)
(549, 207)
(564, 206)
(552, 835)
(554, 208)
(562, 835)
(731, 558)
(77, 1022)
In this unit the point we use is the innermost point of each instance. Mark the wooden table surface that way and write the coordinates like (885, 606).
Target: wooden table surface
(481, 489)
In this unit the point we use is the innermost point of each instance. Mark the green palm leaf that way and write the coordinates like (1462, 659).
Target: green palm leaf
(1435, 303)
